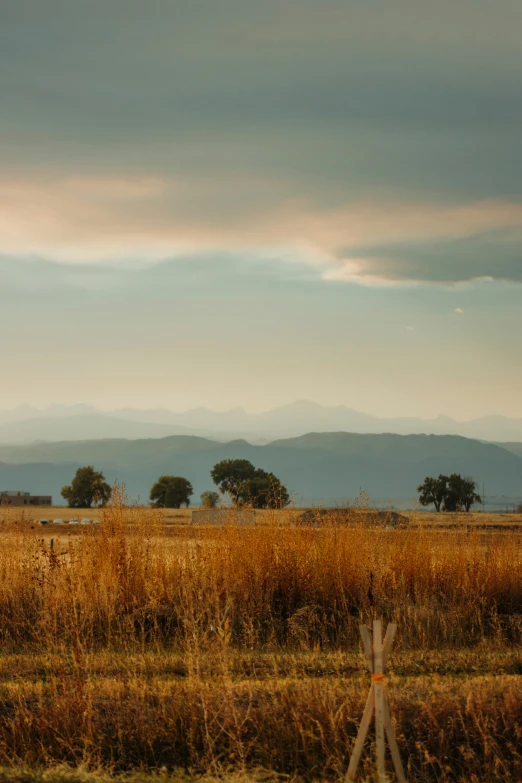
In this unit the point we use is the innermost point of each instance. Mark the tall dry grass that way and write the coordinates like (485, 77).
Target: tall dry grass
(132, 584)
(447, 731)
(136, 646)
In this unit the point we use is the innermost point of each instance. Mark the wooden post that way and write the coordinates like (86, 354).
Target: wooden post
(379, 704)
(361, 734)
(377, 654)
(392, 742)
(367, 644)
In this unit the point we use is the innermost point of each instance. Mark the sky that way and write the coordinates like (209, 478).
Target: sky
(228, 202)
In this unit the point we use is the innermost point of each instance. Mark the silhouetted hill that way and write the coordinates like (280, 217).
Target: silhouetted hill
(322, 468)
(514, 448)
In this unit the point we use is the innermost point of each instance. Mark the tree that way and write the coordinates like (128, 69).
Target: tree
(264, 491)
(433, 491)
(171, 492)
(461, 493)
(230, 474)
(249, 486)
(453, 493)
(209, 499)
(87, 487)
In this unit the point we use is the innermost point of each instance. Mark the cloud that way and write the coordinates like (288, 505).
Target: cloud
(444, 258)
(149, 218)
(370, 140)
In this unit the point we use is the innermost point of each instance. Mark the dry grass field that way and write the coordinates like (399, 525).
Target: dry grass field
(148, 648)
(182, 516)
(35, 513)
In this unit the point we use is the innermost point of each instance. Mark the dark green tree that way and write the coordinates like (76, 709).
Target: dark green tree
(449, 493)
(249, 486)
(209, 499)
(88, 487)
(461, 493)
(171, 492)
(264, 491)
(433, 491)
(230, 474)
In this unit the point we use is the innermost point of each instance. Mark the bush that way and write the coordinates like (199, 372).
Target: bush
(209, 499)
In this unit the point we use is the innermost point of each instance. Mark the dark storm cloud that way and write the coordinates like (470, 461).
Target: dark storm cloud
(491, 255)
(241, 108)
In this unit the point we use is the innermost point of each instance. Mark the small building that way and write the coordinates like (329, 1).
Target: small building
(19, 498)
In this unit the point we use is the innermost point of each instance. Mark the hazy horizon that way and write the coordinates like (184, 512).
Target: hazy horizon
(60, 404)
(244, 204)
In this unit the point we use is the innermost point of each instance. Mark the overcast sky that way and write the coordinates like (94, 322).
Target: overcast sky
(234, 202)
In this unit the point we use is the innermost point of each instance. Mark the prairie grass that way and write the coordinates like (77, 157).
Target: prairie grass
(235, 650)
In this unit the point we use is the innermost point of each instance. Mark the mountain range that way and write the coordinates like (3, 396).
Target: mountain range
(318, 468)
(26, 424)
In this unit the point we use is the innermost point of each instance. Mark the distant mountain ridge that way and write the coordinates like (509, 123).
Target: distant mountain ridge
(318, 468)
(81, 427)
(26, 424)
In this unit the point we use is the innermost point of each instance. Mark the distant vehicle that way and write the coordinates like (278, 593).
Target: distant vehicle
(85, 521)
(58, 521)
(95, 521)
(74, 521)
(44, 521)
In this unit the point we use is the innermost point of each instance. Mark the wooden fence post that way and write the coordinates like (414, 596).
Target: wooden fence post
(377, 654)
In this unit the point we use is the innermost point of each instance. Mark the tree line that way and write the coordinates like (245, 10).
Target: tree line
(244, 484)
(248, 486)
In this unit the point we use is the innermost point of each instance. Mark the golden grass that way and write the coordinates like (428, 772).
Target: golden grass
(447, 728)
(182, 516)
(138, 646)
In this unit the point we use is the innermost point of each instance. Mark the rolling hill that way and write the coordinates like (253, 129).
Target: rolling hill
(324, 468)
(514, 448)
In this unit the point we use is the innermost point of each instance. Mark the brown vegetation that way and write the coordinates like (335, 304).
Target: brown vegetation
(139, 646)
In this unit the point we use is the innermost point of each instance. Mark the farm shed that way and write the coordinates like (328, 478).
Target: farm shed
(18, 498)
